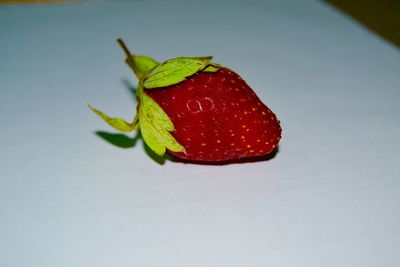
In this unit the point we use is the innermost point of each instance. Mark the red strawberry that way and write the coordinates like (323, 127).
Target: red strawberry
(218, 117)
(198, 111)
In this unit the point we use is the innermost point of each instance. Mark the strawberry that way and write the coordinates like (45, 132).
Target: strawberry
(218, 117)
(198, 111)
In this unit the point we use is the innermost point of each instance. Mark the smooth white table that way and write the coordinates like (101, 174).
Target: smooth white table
(68, 197)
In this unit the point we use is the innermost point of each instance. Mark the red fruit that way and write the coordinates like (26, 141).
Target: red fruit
(205, 112)
(218, 117)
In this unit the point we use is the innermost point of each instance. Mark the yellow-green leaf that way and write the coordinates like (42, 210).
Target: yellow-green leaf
(158, 141)
(143, 64)
(116, 123)
(156, 114)
(210, 68)
(156, 126)
(202, 58)
(174, 71)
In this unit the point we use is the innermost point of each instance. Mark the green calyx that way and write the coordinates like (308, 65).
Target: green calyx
(174, 71)
(155, 125)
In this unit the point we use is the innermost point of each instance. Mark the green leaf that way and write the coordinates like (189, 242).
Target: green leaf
(210, 68)
(143, 64)
(174, 71)
(206, 57)
(156, 114)
(139, 64)
(156, 126)
(116, 123)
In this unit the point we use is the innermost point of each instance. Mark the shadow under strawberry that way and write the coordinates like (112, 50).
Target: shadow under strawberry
(117, 139)
(267, 157)
(124, 141)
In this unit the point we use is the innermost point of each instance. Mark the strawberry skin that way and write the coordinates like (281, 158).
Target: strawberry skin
(218, 118)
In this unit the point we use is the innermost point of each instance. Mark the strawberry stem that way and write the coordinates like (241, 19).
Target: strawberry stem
(129, 57)
(124, 47)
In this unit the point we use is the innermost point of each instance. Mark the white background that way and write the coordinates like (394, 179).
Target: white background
(68, 197)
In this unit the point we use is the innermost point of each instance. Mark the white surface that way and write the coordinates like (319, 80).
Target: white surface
(69, 198)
